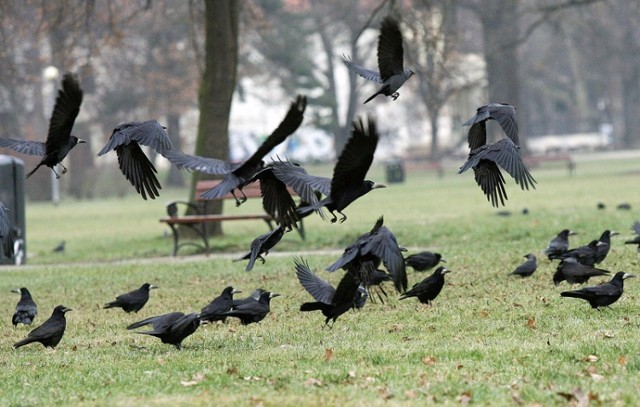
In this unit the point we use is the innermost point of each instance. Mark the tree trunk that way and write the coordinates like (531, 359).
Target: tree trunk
(216, 88)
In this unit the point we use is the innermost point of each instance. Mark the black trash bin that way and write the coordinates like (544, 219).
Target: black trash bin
(395, 171)
(12, 196)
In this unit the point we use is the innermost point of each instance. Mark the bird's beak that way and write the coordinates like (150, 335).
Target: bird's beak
(273, 295)
(443, 261)
(445, 271)
(626, 276)
(151, 287)
(376, 186)
(571, 233)
(16, 290)
(65, 309)
(81, 141)
(234, 291)
(402, 249)
(613, 233)
(203, 322)
(601, 244)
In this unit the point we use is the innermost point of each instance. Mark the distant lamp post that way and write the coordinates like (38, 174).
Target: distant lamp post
(51, 74)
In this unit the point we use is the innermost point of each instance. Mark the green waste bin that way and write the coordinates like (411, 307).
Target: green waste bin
(12, 196)
(395, 171)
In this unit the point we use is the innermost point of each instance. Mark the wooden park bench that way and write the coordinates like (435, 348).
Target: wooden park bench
(199, 222)
(534, 161)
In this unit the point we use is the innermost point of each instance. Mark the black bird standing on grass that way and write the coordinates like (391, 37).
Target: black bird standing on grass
(171, 328)
(527, 268)
(559, 244)
(636, 240)
(126, 140)
(348, 183)
(604, 246)
(392, 73)
(587, 255)
(424, 261)
(253, 297)
(222, 303)
(7, 233)
(601, 295)
(252, 312)
(50, 332)
(261, 245)
(429, 288)
(236, 176)
(574, 272)
(132, 301)
(26, 309)
(59, 139)
(485, 158)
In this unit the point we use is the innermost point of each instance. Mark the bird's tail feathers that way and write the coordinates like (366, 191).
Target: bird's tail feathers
(23, 342)
(33, 170)
(573, 294)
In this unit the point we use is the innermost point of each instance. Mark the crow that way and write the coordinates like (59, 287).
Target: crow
(392, 74)
(333, 302)
(429, 288)
(424, 261)
(527, 268)
(132, 301)
(7, 233)
(348, 183)
(636, 240)
(252, 311)
(255, 296)
(261, 245)
(601, 295)
(218, 305)
(485, 158)
(587, 255)
(574, 272)
(26, 309)
(50, 332)
(59, 139)
(171, 328)
(603, 248)
(237, 175)
(60, 247)
(126, 140)
(559, 244)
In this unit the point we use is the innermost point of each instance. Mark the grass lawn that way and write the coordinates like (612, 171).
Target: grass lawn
(488, 340)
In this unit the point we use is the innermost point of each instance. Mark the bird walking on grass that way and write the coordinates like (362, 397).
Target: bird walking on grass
(574, 272)
(252, 312)
(26, 308)
(428, 289)
(527, 268)
(559, 244)
(59, 139)
(601, 295)
(636, 239)
(222, 303)
(171, 328)
(132, 301)
(50, 332)
(391, 71)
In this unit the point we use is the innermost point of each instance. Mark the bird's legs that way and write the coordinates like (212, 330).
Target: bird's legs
(262, 258)
(344, 217)
(64, 169)
(395, 95)
(241, 200)
(54, 171)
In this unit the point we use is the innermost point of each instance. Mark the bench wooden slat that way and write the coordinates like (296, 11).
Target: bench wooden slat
(185, 219)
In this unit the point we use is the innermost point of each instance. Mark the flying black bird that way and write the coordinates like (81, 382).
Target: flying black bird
(126, 140)
(485, 158)
(636, 240)
(559, 244)
(171, 328)
(605, 245)
(424, 261)
(261, 245)
(132, 301)
(59, 139)
(574, 272)
(254, 297)
(527, 268)
(252, 311)
(26, 309)
(7, 233)
(237, 175)
(348, 183)
(218, 305)
(333, 302)
(50, 332)
(587, 255)
(392, 74)
(429, 288)
(601, 295)
(376, 246)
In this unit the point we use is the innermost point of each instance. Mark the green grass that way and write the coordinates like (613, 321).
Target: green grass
(488, 339)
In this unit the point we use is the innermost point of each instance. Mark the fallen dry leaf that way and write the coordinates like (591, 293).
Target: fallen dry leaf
(483, 314)
(465, 398)
(531, 323)
(590, 358)
(328, 355)
(395, 328)
(576, 397)
(232, 370)
(622, 360)
(188, 383)
(429, 360)
(312, 382)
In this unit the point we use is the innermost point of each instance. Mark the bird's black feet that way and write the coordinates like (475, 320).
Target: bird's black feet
(395, 95)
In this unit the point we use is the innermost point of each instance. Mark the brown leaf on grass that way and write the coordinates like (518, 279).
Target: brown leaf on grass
(622, 360)
(384, 393)
(483, 314)
(465, 398)
(232, 370)
(195, 379)
(544, 300)
(328, 355)
(396, 328)
(590, 359)
(312, 382)
(515, 304)
(593, 373)
(531, 323)
(515, 395)
(576, 398)
(429, 360)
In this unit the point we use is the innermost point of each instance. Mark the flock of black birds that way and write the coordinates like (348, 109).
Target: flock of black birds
(372, 259)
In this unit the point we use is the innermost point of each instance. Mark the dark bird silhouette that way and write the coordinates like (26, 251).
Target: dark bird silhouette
(574, 272)
(50, 332)
(60, 247)
(59, 139)
(375, 247)
(587, 255)
(26, 309)
(604, 246)
(255, 296)
(485, 158)
(237, 175)
(428, 289)
(7, 233)
(391, 72)
(218, 305)
(171, 328)
(126, 140)
(527, 268)
(636, 240)
(559, 244)
(252, 311)
(333, 302)
(348, 183)
(261, 245)
(424, 261)
(601, 205)
(132, 301)
(624, 206)
(601, 295)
